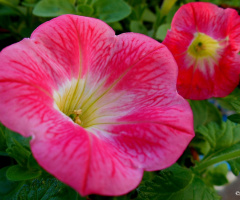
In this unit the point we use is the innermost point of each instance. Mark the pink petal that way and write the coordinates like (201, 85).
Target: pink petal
(202, 17)
(24, 94)
(234, 29)
(47, 60)
(83, 161)
(149, 100)
(150, 137)
(134, 118)
(81, 42)
(215, 78)
(215, 81)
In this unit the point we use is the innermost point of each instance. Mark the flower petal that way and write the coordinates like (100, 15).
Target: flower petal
(214, 76)
(142, 110)
(83, 161)
(150, 137)
(201, 17)
(24, 94)
(76, 43)
(41, 64)
(133, 118)
(234, 29)
(209, 19)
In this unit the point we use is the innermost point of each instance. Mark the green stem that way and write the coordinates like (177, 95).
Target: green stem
(224, 157)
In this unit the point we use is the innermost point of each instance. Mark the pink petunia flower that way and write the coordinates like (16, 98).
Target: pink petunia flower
(205, 41)
(100, 108)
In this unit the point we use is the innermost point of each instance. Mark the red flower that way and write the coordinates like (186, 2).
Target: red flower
(100, 108)
(205, 41)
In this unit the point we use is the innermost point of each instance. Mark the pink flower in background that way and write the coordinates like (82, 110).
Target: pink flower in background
(100, 108)
(205, 40)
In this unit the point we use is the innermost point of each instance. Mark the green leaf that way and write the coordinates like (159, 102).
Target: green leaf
(19, 153)
(220, 137)
(162, 31)
(12, 4)
(85, 10)
(3, 144)
(12, 137)
(234, 118)
(30, 5)
(235, 166)
(217, 175)
(53, 8)
(204, 112)
(5, 185)
(231, 153)
(224, 141)
(7, 188)
(148, 16)
(15, 2)
(18, 147)
(4, 10)
(232, 101)
(72, 2)
(176, 183)
(82, 1)
(112, 11)
(18, 173)
(196, 190)
(200, 145)
(32, 163)
(46, 189)
(138, 27)
(134, 3)
(137, 12)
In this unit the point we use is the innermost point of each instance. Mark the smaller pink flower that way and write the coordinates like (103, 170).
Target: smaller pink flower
(205, 40)
(100, 108)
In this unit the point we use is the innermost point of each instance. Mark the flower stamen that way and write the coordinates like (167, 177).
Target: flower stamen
(76, 119)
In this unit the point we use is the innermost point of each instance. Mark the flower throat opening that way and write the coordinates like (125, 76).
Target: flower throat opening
(69, 100)
(86, 105)
(203, 46)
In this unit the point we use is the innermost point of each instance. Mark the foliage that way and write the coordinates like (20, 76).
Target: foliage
(176, 183)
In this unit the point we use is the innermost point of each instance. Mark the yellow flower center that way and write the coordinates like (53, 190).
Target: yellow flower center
(71, 99)
(203, 46)
(86, 103)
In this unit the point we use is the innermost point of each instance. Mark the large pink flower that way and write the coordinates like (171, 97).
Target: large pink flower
(205, 41)
(100, 108)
